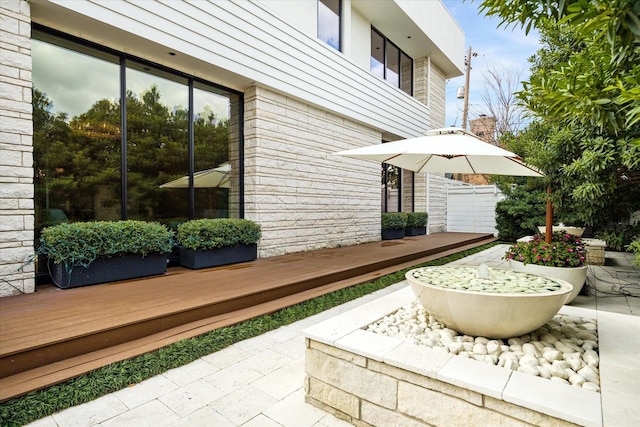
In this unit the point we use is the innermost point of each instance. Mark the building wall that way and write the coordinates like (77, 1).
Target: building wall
(304, 197)
(303, 101)
(16, 160)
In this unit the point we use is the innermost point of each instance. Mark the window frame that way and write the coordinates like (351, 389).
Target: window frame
(340, 16)
(401, 54)
(124, 59)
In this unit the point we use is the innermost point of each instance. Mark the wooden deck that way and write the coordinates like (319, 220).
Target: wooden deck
(53, 334)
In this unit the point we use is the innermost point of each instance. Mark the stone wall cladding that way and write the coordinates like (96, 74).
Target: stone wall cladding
(357, 394)
(17, 273)
(303, 196)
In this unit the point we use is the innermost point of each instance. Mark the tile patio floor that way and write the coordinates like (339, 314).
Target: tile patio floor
(259, 382)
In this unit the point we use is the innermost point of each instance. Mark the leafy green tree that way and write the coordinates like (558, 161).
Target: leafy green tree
(586, 133)
(600, 83)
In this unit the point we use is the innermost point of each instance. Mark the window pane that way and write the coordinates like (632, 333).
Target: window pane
(329, 22)
(216, 175)
(406, 73)
(377, 54)
(390, 188)
(76, 140)
(157, 143)
(393, 65)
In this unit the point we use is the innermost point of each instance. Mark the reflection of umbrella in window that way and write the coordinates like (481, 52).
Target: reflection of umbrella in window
(208, 178)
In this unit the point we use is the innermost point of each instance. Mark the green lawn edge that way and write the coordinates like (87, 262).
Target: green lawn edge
(118, 375)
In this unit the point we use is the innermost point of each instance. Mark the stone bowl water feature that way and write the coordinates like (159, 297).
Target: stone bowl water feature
(488, 302)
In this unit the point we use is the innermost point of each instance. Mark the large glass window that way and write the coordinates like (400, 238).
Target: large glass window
(390, 63)
(175, 157)
(329, 22)
(391, 188)
(77, 132)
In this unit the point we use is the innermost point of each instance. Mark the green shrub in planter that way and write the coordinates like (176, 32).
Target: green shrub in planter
(217, 233)
(393, 225)
(87, 253)
(394, 220)
(417, 219)
(220, 241)
(416, 224)
(79, 243)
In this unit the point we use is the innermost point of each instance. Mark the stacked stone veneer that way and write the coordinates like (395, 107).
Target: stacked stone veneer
(302, 195)
(367, 392)
(16, 150)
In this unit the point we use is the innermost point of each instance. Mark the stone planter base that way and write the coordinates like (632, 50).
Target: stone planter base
(219, 256)
(393, 234)
(104, 270)
(370, 379)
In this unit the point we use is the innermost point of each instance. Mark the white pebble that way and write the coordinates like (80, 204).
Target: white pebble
(549, 338)
(589, 374)
(480, 349)
(531, 350)
(528, 369)
(551, 355)
(576, 379)
(591, 386)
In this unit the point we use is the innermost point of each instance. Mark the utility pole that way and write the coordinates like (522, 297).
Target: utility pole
(465, 109)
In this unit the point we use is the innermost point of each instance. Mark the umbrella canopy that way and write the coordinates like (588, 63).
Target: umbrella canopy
(447, 150)
(208, 178)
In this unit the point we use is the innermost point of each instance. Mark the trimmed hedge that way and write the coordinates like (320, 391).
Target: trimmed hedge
(417, 219)
(79, 243)
(394, 220)
(217, 233)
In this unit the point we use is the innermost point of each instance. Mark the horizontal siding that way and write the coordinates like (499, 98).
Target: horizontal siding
(247, 39)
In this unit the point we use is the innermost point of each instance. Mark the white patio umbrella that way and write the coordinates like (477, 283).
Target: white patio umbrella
(208, 178)
(447, 150)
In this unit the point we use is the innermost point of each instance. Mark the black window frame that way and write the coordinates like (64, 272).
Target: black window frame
(123, 59)
(401, 53)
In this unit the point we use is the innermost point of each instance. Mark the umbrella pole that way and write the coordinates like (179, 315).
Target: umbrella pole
(549, 223)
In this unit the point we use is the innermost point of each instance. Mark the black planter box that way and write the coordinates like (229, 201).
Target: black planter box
(104, 270)
(393, 234)
(196, 259)
(415, 231)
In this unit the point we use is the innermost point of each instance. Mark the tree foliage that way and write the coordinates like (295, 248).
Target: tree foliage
(584, 95)
(597, 84)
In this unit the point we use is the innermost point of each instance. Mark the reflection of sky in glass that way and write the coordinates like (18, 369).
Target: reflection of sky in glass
(377, 67)
(204, 101)
(75, 81)
(328, 26)
(172, 94)
(71, 80)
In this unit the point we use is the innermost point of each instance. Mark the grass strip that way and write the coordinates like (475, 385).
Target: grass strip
(118, 375)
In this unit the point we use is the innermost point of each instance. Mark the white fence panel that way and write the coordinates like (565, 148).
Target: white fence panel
(472, 208)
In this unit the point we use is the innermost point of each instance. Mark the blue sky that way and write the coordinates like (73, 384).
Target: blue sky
(505, 49)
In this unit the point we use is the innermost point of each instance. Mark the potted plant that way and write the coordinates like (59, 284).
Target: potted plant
(219, 241)
(393, 224)
(87, 253)
(416, 224)
(564, 258)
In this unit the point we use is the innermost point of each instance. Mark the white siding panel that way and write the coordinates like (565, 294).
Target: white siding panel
(247, 39)
(473, 208)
